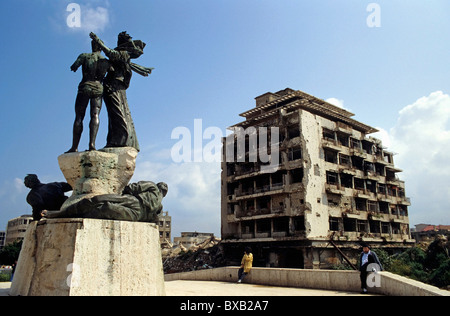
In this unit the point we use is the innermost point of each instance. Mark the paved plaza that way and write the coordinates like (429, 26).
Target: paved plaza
(213, 288)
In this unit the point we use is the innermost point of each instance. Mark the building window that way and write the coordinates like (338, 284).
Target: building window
(332, 178)
(344, 160)
(385, 228)
(362, 226)
(263, 226)
(333, 200)
(346, 180)
(297, 175)
(281, 224)
(299, 223)
(330, 156)
(342, 139)
(372, 206)
(293, 131)
(384, 207)
(359, 184)
(334, 224)
(374, 227)
(328, 134)
(349, 225)
(294, 154)
(361, 204)
(355, 143)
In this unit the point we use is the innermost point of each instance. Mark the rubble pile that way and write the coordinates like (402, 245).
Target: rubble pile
(206, 255)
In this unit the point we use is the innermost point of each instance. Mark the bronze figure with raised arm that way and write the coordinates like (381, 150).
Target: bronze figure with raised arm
(121, 131)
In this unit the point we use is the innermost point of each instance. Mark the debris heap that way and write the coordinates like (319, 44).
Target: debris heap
(205, 255)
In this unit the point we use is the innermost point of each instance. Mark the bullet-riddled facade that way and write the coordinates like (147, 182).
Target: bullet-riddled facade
(325, 178)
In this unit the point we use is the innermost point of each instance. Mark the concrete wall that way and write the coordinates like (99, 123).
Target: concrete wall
(83, 257)
(338, 280)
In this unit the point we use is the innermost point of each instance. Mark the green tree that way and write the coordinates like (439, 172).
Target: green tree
(441, 276)
(10, 253)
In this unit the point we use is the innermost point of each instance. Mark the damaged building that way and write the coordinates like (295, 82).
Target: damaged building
(331, 187)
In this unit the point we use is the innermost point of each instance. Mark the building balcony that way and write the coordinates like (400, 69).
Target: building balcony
(331, 144)
(261, 191)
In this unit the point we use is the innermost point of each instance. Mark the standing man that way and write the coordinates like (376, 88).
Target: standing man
(246, 264)
(94, 68)
(368, 262)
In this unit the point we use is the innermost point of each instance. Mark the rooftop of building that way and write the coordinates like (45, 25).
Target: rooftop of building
(269, 104)
(430, 227)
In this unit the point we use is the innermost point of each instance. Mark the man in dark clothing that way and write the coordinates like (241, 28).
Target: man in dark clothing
(43, 196)
(368, 262)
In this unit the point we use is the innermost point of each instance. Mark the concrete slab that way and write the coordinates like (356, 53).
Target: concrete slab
(212, 288)
(4, 288)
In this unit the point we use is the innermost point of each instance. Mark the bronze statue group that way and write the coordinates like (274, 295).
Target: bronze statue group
(107, 79)
(104, 79)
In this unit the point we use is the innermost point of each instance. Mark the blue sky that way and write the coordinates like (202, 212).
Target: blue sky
(211, 59)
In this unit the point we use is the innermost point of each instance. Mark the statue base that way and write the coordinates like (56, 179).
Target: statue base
(80, 257)
(97, 172)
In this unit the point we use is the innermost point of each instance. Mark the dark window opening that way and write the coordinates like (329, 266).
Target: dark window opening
(297, 175)
(346, 180)
(334, 224)
(328, 134)
(330, 156)
(294, 154)
(332, 178)
(299, 223)
(293, 131)
(349, 224)
(281, 224)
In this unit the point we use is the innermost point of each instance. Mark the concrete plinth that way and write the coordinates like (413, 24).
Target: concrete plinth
(91, 173)
(77, 257)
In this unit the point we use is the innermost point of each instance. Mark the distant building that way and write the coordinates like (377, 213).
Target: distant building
(165, 229)
(17, 227)
(427, 232)
(2, 239)
(325, 179)
(189, 239)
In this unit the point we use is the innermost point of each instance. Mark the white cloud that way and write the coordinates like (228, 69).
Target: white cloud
(193, 199)
(84, 17)
(421, 137)
(94, 19)
(421, 141)
(383, 135)
(336, 102)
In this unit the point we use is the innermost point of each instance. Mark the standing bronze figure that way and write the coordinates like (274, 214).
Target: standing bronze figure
(121, 131)
(94, 68)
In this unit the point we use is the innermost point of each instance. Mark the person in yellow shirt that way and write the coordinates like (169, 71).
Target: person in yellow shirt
(246, 264)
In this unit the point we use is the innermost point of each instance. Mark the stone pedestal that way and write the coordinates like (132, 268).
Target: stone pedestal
(91, 173)
(78, 257)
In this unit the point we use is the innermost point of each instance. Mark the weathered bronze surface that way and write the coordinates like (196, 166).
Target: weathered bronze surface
(45, 196)
(140, 202)
(121, 131)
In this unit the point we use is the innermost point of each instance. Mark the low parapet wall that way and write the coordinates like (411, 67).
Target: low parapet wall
(338, 280)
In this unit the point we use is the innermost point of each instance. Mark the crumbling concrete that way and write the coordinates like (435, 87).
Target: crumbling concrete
(205, 255)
